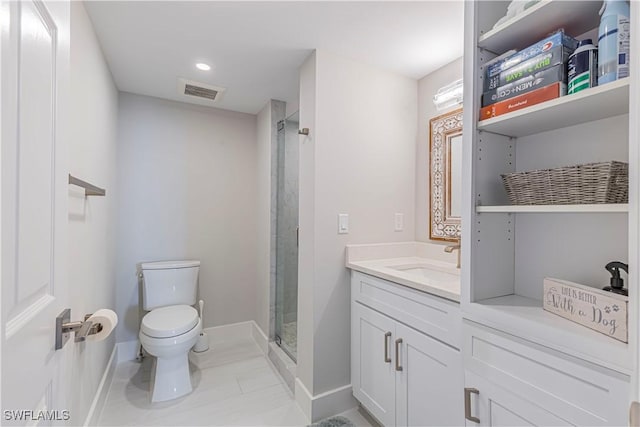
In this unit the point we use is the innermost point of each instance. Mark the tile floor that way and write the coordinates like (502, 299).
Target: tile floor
(234, 385)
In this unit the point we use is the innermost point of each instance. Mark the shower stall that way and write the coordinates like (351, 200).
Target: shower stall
(286, 307)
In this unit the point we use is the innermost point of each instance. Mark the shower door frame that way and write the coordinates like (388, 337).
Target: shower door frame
(280, 284)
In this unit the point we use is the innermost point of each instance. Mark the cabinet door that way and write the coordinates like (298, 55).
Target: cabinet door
(498, 407)
(429, 386)
(373, 362)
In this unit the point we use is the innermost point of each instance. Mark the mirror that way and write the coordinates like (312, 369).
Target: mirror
(445, 179)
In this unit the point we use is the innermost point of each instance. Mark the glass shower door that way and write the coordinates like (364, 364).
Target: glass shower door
(286, 309)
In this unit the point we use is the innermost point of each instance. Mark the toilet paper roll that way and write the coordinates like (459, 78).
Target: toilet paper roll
(108, 319)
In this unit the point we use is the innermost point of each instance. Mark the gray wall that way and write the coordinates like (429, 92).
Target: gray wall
(427, 87)
(92, 157)
(360, 160)
(187, 189)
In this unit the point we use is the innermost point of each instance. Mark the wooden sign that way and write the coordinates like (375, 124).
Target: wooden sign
(599, 310)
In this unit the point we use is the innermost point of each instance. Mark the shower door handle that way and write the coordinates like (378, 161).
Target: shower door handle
(387, 359)
(297, 237)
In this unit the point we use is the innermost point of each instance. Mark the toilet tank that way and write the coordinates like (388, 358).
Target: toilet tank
(169, 283)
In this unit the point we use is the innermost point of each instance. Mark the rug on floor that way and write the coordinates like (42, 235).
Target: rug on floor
(334, 422)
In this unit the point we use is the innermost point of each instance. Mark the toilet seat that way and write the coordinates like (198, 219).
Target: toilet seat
(171, 321)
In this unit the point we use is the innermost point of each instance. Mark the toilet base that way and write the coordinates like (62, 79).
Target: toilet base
(170, 378)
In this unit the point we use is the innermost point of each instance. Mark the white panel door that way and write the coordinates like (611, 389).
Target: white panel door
(429, 387)
(498, 407)
(373, 362)
(34, 95)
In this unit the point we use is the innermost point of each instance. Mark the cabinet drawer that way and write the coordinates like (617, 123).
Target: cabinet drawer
(432, 315)
(498, 407)
(574, 390)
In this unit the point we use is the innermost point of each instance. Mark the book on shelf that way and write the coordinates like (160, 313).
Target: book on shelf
(540, 79)
(548, 52)
(556, 56)
(519, 102)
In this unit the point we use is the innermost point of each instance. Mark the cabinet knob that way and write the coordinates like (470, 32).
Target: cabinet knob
(467, 404)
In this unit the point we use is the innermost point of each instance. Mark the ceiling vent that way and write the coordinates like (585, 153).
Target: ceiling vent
(202, 91)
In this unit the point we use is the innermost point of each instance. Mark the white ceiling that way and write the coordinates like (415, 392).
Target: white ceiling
(255, 48)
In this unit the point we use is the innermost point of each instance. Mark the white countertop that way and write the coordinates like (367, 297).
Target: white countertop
(421, 266)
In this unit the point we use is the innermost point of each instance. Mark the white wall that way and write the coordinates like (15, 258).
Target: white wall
(306, 248)
(427, 88)
(187, 190)
(92, 157)
(359, 160)
(292, 107)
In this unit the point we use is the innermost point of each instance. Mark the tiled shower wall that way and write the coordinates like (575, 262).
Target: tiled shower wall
(288, 222)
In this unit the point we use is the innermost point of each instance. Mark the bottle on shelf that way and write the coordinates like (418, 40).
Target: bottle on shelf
(582, 67)
(613, 41)
(616, 283)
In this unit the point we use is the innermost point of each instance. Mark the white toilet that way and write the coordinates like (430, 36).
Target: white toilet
(172, 326)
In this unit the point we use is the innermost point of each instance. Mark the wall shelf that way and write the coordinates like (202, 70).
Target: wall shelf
(600, 208)
(592, 104)
(509, 249)
(525, 317)
(534, 23)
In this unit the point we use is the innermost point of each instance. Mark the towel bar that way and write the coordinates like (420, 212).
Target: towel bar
(89, 189)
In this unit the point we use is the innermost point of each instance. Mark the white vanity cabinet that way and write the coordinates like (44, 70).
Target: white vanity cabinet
(428, 387)
(405, 375)
(373, 374)
(510, 381)
(494, 406)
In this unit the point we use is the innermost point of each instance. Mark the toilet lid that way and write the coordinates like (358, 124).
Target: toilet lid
(169, 321)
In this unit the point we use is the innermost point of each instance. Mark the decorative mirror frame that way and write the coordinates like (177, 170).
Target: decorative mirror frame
(442, 226)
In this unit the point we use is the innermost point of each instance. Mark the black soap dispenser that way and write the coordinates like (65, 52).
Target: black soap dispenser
(617, 284)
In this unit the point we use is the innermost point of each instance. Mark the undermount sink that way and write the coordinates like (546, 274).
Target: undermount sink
(427, 272)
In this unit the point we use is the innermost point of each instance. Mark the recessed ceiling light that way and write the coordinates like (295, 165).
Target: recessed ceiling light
(202, 66)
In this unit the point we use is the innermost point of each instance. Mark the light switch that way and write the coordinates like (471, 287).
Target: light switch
(343, 223)
(399, 222)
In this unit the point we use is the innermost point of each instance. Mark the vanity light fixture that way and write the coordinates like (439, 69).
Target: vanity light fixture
(449, 95)
(202, 66)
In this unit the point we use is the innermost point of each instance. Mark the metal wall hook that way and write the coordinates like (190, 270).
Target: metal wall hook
(81, 329)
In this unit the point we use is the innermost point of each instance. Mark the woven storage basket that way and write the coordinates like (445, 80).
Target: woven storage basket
(593, 183)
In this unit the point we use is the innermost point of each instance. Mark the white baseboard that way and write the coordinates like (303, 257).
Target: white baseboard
(230, 332)
(103, 388)
(260, 337)
(233, 331)
(303, 398)
(332, 402)
(325, 404)
(127, 350)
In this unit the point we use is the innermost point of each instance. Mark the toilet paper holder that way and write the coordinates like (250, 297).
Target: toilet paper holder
(64, 327)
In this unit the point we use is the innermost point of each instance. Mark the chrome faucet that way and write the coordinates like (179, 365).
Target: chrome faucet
(451, 248)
